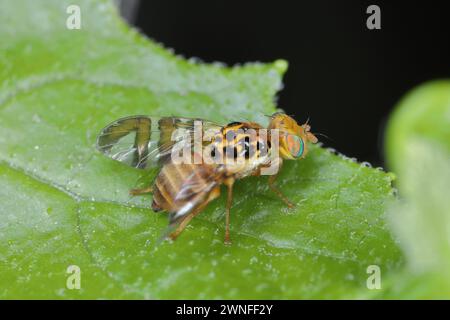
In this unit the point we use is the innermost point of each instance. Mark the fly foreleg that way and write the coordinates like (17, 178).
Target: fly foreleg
(278, 192)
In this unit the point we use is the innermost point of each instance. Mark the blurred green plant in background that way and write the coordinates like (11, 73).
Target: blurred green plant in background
(418, 150)
(64, 204)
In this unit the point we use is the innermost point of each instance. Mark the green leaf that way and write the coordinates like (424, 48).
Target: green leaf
(63, 203)
(423, 113)
(418, 145)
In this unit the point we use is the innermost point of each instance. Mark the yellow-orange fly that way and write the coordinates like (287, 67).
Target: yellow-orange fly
(184, 188)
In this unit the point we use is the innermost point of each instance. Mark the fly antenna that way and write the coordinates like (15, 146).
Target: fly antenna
(323, 135)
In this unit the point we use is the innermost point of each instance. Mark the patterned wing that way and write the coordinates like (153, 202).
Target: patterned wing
(140, 140)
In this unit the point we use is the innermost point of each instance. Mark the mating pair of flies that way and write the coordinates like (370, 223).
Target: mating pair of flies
(185, 189)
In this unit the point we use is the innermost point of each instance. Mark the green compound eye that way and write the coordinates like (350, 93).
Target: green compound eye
(295, 145)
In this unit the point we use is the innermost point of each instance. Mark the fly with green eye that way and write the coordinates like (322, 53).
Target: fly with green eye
(184, 189)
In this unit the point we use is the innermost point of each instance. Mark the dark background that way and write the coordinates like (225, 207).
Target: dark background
(343, 76)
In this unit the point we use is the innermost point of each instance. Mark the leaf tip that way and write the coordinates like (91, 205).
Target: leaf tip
(281, 66)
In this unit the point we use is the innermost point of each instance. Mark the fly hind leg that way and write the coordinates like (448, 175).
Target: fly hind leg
(213, 195)
(138, 192)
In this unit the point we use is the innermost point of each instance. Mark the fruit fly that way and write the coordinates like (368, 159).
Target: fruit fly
(184, 188)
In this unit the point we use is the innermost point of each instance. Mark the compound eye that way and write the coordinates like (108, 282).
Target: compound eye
(295, 145)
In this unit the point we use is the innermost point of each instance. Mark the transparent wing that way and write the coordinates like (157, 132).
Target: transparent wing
(142, 140)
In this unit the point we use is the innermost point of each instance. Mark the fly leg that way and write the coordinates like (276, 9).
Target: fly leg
(138, 192)
(213, 195)
(173, 235)
(229, 183)
(278, 192)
